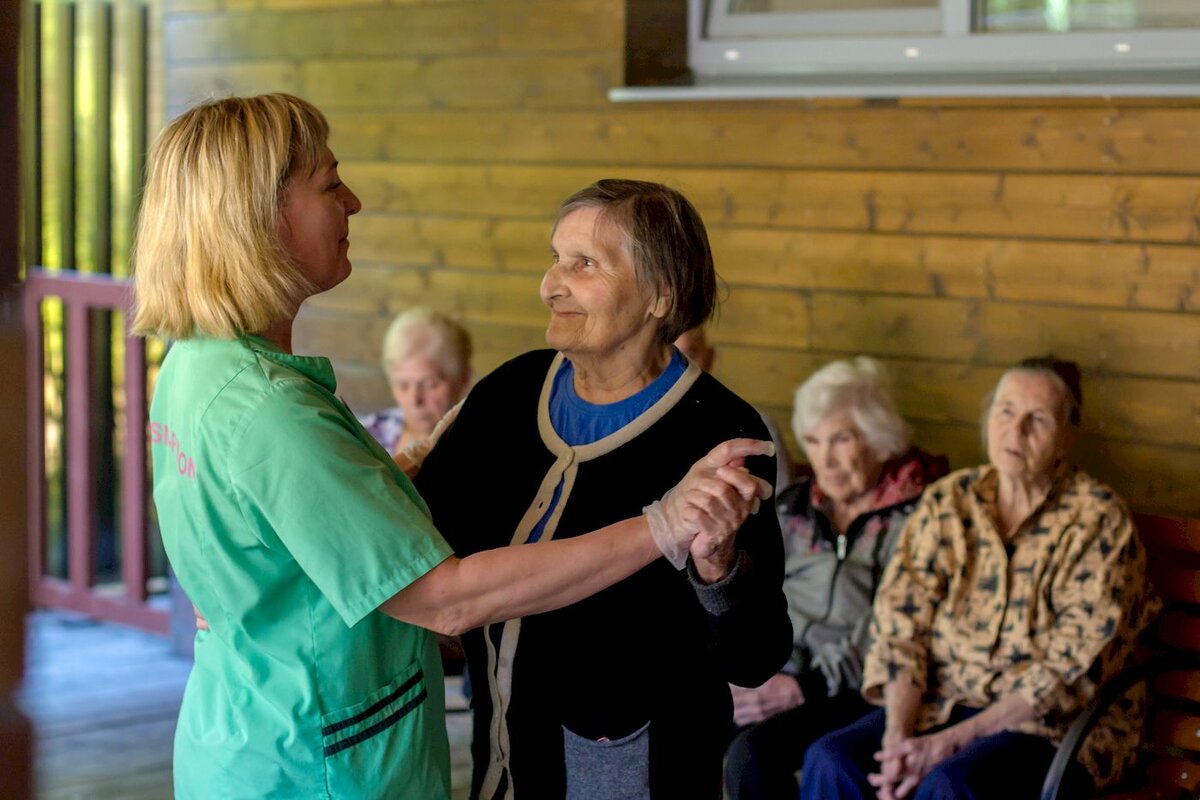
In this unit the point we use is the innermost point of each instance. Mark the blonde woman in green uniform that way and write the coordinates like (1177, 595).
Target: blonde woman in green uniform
(295, 534)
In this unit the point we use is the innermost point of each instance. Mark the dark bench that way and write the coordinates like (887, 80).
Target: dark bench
(1169, 666)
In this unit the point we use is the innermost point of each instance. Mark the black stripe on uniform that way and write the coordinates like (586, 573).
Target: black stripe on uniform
(329, 730)
(378, 727)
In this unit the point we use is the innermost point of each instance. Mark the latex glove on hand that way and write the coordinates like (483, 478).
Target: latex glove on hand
(410, 457)
(714, 498)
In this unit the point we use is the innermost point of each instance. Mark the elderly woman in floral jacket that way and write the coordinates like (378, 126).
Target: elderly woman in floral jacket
(1015, 590)
(839, 527)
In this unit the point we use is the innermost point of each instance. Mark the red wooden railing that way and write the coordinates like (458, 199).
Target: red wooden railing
(80, 294)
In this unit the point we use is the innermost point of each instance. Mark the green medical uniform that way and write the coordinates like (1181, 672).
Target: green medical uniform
(288, 526)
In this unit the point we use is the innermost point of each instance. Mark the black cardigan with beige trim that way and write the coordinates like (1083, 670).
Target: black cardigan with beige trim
(655, 647)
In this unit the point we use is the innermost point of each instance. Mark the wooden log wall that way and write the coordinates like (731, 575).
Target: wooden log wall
(949, 238)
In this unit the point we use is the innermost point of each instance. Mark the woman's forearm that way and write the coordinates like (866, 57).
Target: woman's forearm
(1006, 714)
(508, 582)
(902, 699)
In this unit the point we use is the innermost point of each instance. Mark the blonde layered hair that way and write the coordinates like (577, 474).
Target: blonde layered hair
(207, 257)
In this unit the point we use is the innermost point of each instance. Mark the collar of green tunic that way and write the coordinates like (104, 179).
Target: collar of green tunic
(315, 368)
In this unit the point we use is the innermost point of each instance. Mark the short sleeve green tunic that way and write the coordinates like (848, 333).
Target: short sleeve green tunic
(288, 526)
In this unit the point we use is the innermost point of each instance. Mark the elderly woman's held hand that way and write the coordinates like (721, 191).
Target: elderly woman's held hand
(712, 500)
(714, 549)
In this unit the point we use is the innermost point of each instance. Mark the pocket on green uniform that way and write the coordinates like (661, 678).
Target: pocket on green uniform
(378, 739)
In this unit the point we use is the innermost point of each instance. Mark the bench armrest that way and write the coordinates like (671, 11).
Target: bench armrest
(1109, 693)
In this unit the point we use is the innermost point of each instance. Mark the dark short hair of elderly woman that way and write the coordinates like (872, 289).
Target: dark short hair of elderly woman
(1067, 372)
(1016, 589)
(666, 241)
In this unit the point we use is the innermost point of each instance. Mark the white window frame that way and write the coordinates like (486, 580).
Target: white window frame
(730, 57)
(721, 24)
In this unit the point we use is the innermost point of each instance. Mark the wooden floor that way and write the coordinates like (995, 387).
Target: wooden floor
(104, 699)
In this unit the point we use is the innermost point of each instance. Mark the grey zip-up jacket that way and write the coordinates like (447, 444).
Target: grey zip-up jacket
(830, 578)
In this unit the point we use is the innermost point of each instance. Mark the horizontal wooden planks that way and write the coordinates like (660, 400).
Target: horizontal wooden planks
(546, 82)
(1179, 629)
(198, 83)
(1176, 729)
(1170, 534)
(1107, 139)
(484, 243)
(1177, 581)
(543, 82)
(417, 29)
(1076, 273)
(1181, 776)
(1118, 208)
(1100, 274)
(1166, 778)
(1180, 684)
(1132, 409)
(945, 355)
(948, 237)
(1114, 342)
(1150, 464)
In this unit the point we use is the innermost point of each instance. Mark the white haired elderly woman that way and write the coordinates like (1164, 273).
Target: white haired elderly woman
(427, 361)
(1017, 587)
(838, 524)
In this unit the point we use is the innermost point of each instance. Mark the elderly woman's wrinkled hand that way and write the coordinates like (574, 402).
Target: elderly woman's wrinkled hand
(905, 764)
(714, 550)
(752, 705)
(713, 500)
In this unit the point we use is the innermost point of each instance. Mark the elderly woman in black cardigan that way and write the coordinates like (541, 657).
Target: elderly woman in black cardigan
(623, 695)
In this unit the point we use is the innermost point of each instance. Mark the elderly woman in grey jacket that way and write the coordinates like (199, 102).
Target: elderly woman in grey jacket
(839, 525)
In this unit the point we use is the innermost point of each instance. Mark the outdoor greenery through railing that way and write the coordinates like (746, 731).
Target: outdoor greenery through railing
(85, 589)
(84, 119)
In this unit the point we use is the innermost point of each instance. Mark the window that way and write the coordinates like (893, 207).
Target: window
(762, 48)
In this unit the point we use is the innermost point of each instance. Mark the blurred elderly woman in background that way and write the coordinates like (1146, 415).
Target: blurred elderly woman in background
(427, 361)
(839, 525)
(1016, 589)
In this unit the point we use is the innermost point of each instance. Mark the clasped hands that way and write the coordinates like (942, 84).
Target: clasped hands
(701, 515)
(904, 761)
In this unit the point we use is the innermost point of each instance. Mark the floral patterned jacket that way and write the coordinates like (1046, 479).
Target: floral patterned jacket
(1048, 614)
